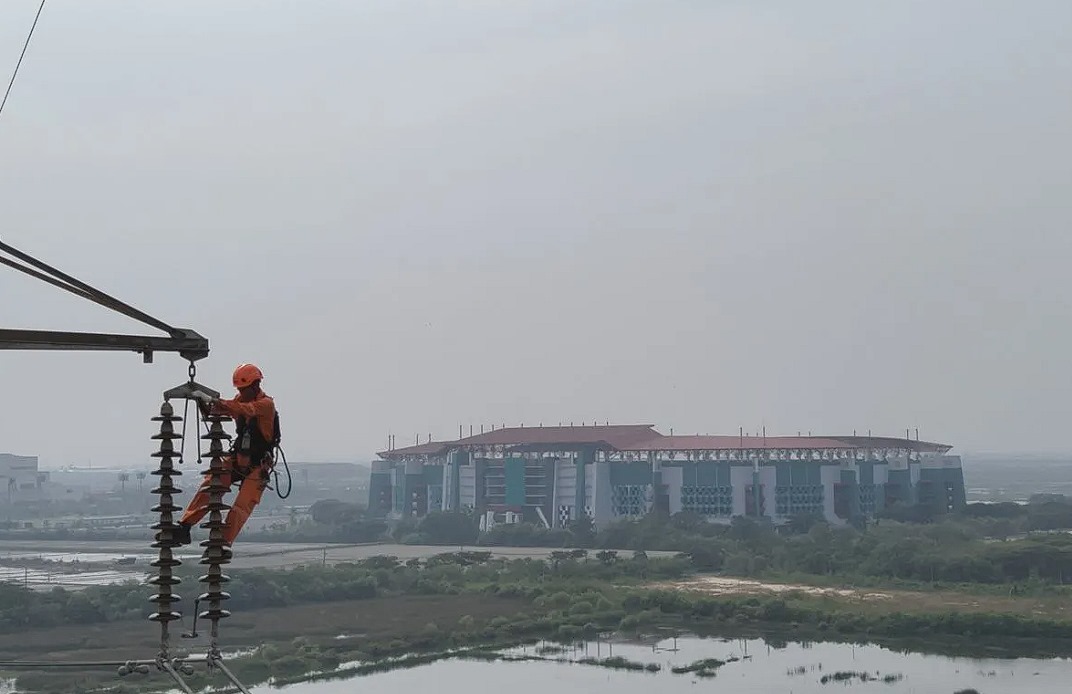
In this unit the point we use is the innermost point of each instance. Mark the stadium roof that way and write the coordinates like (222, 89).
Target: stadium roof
(752, 443)
(638, 438)
(719, 443)
(430, 448)
(894, 442)
(614, 436)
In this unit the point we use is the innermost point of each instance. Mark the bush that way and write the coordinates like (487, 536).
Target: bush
(581, 607)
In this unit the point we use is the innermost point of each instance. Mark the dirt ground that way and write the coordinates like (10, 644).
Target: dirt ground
(722, 585)
(324, 622)
(879, 601)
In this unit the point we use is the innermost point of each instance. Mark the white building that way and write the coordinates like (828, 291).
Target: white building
(20, 477)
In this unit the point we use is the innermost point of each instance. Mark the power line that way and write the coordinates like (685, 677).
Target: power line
(22, 55)
(34, 664)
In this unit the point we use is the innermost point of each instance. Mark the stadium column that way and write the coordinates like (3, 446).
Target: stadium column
(514, 472)
(457, 458)
(380, 492)
(757, 491)
(955, 480)
(585, 456)
(851, 489)
(416, 489)
(660, 498)
(480, 485)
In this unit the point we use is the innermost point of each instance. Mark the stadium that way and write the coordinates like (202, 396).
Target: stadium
(551, 475)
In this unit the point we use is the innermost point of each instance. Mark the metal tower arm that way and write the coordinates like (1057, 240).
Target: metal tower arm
(187, 343)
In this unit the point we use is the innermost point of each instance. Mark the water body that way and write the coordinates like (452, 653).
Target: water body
(42, 579)
(793, 668)
(73, 570)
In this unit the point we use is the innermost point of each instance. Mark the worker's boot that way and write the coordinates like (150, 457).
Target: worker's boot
(182, 535)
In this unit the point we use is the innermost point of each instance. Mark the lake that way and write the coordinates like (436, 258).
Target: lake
(793, 668)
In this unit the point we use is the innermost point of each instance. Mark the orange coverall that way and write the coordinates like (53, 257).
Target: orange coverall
(253, 484)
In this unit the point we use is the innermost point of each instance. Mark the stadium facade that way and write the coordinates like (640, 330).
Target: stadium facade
(552, 475)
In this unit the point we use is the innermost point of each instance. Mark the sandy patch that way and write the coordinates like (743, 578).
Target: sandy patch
(721, 585)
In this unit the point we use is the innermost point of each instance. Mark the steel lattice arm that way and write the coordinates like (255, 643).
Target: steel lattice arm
(189, 344)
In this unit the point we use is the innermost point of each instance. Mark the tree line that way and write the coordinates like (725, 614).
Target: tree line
(960, 548)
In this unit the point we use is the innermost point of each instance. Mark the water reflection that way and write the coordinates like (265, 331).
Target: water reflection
(749, 666)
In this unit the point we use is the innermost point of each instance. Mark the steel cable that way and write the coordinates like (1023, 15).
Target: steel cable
(22, 55)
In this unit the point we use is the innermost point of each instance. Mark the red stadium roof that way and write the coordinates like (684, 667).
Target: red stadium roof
(720, 443)
(643, 438)
(614, 435)
(819, 443)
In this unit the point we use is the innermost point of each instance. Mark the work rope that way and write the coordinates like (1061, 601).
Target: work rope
(280, 455)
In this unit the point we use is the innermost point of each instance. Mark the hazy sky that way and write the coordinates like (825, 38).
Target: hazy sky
(698, 214)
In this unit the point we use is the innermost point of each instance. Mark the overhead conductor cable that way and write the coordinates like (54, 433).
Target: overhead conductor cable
(25, 45)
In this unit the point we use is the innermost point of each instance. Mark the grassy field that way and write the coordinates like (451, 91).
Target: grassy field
(386, 618)
(455, 603)
(398, 616)
(378, 619)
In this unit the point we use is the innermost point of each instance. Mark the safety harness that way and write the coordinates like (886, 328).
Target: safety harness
(249, 441)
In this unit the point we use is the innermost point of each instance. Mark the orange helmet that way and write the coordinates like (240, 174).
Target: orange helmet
(246, 375)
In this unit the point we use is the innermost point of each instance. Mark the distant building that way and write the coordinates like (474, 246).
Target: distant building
(551, 475)
(20, 478)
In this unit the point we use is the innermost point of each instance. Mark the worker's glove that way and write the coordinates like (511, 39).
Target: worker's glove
(205, 398)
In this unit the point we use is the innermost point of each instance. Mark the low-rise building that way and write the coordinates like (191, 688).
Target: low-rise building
(21, 478)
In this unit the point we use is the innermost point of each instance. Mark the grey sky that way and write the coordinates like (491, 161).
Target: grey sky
(819, 216)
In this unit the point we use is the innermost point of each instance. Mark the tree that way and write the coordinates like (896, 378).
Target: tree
(1003, 509)
(801, 523)
(1049, 515)
(334, 512)
(908, 513)
(450, 528)
(559, 557)
(690, 521)
(583, 530)
(707, 555)
(757, 533)
(404, 527)
(361, 529)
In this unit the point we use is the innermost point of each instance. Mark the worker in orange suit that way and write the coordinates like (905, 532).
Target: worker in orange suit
(250, 462)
